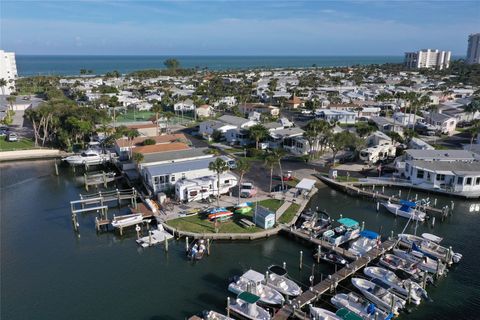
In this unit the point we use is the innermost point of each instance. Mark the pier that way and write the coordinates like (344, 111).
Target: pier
(330, 283)
(354, 189)
(110, 196)
(97, 178)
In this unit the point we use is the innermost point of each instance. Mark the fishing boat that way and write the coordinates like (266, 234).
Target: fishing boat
(347, 230)
(396, 263)
(277, 279)
(322, 314)
(430, 248)
(359, 306)
(402, 287)
(127, 220)
(367, 241)
(246, 306)
(422, 261)
(197, 250)
(331, 257)
(406, 209)
(89, 157)
(384, 299)
(317, 223)
(254, 282)
(213, 315)
(432, 237)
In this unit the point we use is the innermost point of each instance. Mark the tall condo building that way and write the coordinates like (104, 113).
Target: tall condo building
(427, 58)
(473, 51)
(8, 71)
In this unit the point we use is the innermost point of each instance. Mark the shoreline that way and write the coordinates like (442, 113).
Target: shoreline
(31, 154)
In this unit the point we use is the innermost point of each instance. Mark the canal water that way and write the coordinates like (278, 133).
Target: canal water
(48, 272)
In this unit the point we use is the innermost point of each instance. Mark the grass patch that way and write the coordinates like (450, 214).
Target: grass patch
(346, 179)
(288, 215)
(200, 223)
(21, 144)
(440, 147)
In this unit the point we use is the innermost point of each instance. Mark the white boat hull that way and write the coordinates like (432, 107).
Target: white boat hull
(267, 295)
(357, 305)
(382, 299)
(395, 209)
(322, 314)
(249, 311)
(127, 220)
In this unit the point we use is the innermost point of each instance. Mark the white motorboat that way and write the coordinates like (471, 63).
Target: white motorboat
(384, 299)
(89, 156)
(253, 282)
(347, 230)
(367, 241)
(421, 261)
(213, 315)
(322, 314)
(127, 220)
(430, 248)
(432, 237)
(246, 306)
(396, 263)
(361, 307)
(317, 223)
(402, 287)
(405, 209)
(277, 279)
(154, 237)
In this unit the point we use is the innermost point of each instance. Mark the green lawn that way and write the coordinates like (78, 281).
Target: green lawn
(130, 116)
(288, 215)
(21, 144)
(200, 223)
(345, 179)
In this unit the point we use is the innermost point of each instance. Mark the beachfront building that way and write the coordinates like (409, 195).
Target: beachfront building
(473, 51)
(427, 58)
(447, 171)
(8, 71)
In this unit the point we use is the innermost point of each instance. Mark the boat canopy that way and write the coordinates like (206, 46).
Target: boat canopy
(408, 203)
(347, 222)
(254, 276)
(305, 184)
(277, 270)
(369, 234)
(347, 314)
(248, 297)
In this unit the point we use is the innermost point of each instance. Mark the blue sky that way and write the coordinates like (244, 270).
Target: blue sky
(225, 27)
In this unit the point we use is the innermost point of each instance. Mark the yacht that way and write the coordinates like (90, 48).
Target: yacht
(254, 282)
(90, 157)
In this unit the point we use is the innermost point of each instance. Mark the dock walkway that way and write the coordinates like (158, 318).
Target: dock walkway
(330, 283)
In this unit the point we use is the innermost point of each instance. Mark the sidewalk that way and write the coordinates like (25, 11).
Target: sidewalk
(30, 154)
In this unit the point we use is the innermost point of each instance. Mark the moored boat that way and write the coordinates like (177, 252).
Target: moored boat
(331, 257)
(421, 261)
(127, 220)
(361, 307)
(405, 209)
(246, 306)
(347, 230)
(430, 248)
(322, 314)
(197, 250)
(213, 315)
(89, 156)
(367, 241)
(277, 279)
(254, 282)
(384, 299)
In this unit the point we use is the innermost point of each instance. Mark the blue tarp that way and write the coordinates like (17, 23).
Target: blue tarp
(347, 222)
(369, 234)
(408, 203)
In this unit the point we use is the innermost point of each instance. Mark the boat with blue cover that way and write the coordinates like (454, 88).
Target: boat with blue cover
(367, 241)
(406, 209)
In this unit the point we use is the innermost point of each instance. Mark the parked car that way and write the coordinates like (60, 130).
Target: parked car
(247, 190)
(11, 137)
(231, 163)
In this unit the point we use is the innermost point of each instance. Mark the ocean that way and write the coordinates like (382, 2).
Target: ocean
(28, 65)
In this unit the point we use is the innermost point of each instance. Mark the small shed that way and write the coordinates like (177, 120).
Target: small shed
(264, 218)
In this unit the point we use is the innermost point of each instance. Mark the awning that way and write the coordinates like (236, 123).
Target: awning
(306, 184)
(347, 222)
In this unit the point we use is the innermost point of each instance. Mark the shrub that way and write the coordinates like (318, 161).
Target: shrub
(149, 142)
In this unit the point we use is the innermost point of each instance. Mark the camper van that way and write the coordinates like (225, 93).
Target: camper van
(378, 153)
(201, 188)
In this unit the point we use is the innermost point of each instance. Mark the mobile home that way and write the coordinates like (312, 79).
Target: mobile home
(201, 188)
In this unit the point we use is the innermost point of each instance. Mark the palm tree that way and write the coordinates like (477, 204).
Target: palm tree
(3, 84)
(243, 167)
(473, 107)
(138, 157)
(168, 115)
(219, 166)
(11, 100)
(157, 109)
(131, 135)
(277, 155)
(257, 132)
(270, 163)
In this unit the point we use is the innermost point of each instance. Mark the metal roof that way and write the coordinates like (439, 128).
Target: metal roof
(174, 155)
(177, 167)
(451, 155)
(457, 167)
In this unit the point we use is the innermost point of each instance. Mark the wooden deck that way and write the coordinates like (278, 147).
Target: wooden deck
(332, 281)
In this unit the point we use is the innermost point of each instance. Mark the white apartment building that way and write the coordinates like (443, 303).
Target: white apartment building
(473, 51)
(8, 71)
(427, 58)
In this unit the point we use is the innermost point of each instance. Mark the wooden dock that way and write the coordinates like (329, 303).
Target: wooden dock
(110, 196)
(330, 283)
(374, 192)
(97, 178)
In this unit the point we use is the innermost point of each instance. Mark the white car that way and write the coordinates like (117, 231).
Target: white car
(12, 137)
(230, 162)
(247, 190)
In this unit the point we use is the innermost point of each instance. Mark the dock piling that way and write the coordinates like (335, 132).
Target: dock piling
(56, 167)
(208, 246)
(378, 206)
(186, 244)
(435, 202)
(319, 251)
(166, 244)
(284, 265)
(228, 307)
(433, 222)
(137, 228)
(301, 259)
(363, 225)
(452, 205)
